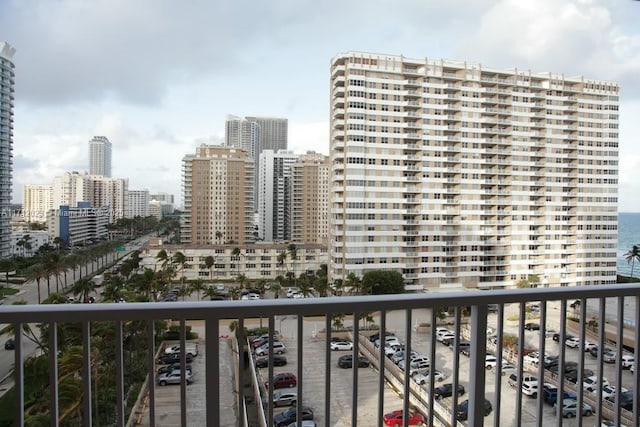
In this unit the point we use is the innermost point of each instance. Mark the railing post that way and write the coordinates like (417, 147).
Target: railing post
(477, 365)
(18, 371)
(54, 411)
(86, 373)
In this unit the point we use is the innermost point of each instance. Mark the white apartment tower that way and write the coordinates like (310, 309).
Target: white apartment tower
(274, 195)
(37, 201)
(100, 156)
(70, 188)
(217, 191)
(138, 203)
(310, 199)
(459, 175)
(7, 75)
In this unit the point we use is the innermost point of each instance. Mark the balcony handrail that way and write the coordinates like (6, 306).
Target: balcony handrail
(46, 313)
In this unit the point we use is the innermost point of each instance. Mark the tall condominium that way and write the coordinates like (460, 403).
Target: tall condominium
(217, 191)
(254, 135)
(37, 201)
(100, 156)
(310, 199)
(459, 175)
(274, 195)
(138, 203)
(71, 188)
(7, 76)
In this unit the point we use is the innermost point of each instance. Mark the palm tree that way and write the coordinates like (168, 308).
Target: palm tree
(210, 292)
(234, 293)
(276, 288)
(7, 266)
(354, 283)
(197, 286)
(241, 278)
(282, 258)
(218, 236)
(181, 260)
(83, 288)
(36, 272)
(631, 256)
(293, 253)
(163, 258)
(208, 264)
(235, 256)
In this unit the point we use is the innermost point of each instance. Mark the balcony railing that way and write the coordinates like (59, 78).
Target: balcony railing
(585, 312)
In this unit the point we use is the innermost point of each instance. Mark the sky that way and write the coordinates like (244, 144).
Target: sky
(158, 77)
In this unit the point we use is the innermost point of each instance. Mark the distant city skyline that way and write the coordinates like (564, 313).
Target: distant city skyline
(158, 101)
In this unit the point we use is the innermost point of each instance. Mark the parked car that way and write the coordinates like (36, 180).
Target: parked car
(399, 356)
(287, 417)
(609, 391)
(627, 360)
(283, 380)
(418, 358)
(291, 292)
(534, 358)
(10, 344)
(285, 398)
(513, 379)
(278, 348)
(168, 359)
(341, 345)
(625, 399)
(462, 411)
(419, 367)
(591, 383)
(396, 418)
(387, 340)
(531, 326)
(174, 377)
(423, 378)
(305, 423)
(530, 388)
(550, 393)
(570, 408)
(609, 356)
(190, 349)
(506, 368)
(446, 390)
(376, 336)
(173, 367)
(572, 342)
(346, 361)
(263, 362)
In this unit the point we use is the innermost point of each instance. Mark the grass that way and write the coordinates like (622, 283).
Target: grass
(7, 291)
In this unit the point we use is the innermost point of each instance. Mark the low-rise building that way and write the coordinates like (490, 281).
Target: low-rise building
(254, 261)
(80, 225)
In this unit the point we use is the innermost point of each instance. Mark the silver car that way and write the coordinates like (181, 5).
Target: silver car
(174, 377)
(285, 398)
(570, 408)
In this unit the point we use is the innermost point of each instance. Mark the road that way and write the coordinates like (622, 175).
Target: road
(29, 292)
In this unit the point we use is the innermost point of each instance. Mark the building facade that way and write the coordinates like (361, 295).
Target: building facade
(26, 242)
(255, 261)
(254, 135)
(69, 189)
(274, 195)
(78, 226)
(138, 203)
(7, 75)
(310, 199)
(37, 200)
(217, 191)
(458, 175)
(100, 156)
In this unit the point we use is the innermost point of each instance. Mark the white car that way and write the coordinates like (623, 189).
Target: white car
(491, 362)
(572, 342)
(588, 345)
(590, 383)
(627, 361)
(424, 377)
(446, 336)
(609, 391)
(632, 368)
(291, 292)
(418, 359)
(341, 345)
(388, 340)
(530, 388)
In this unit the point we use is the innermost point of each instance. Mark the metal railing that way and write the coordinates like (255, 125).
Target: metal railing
(469, 318)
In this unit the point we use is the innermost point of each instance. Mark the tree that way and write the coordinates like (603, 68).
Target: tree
(83, 289)
(632, 256)
(218, 236)
(181, 260)
(293, 254)
(197, 286)
(276, 288)
(379, 282)
(7, 266)
(353, 283)
(163, 258)
(241, 278)
(208, 264)
(235, 257)
(36, 272)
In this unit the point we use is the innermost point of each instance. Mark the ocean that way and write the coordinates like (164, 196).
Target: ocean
(628, 235)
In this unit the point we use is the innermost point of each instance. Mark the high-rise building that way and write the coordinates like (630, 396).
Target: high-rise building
(100, 156)
(310, 199)
(459, 175)
(37, 200)
(162, 197)
(6, 144)
(274, 195)
(71, 188)
(217, 191)
(138, 203)
(254, 135)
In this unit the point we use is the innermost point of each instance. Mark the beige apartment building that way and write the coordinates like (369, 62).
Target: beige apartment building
(36, 202)
(217, 188)
(310, 199)
(255, 261)
(459, 175)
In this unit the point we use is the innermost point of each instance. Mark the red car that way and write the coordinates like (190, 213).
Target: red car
(395, 419)
(283, 380)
